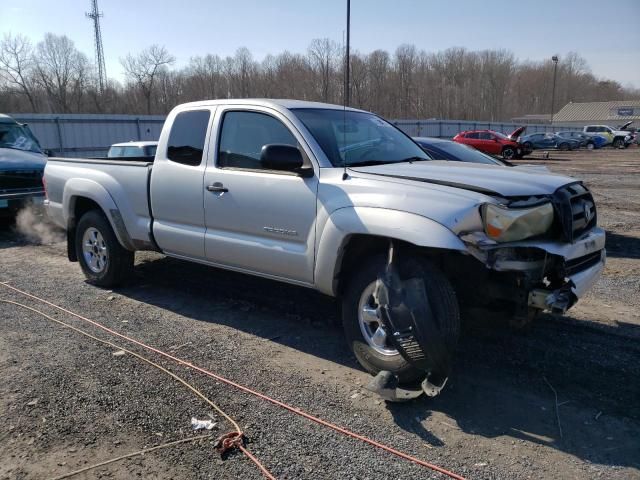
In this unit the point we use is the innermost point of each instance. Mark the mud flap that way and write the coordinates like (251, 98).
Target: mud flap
(407, 316)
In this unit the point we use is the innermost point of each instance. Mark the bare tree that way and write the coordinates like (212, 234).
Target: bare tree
(144, 67)
(323, 55)
(452, 84)
(17, 65)
(62, 71)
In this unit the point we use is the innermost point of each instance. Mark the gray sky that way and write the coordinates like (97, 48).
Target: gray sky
(606, 34)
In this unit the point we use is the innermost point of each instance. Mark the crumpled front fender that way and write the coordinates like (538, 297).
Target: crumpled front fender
(381, 222)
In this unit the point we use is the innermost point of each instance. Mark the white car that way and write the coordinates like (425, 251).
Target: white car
(132, 149)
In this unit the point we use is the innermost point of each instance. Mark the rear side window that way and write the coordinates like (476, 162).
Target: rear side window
(485, 136)
(187, 136)
(150, 150)
(475, 135)
(243, 136)
(591, 129)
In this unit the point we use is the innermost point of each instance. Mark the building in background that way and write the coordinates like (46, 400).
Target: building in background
(613, 114)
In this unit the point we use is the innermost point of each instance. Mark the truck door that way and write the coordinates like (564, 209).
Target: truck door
(258, 220)
(177, 184)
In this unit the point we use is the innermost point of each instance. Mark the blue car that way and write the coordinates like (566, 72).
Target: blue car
(538, 141)
(586, 140)
(440, 149)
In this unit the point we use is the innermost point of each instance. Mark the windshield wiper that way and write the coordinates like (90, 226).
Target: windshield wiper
(369, 163)
(413, 159)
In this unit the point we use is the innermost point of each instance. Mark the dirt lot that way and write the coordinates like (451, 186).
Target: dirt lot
(67, 401)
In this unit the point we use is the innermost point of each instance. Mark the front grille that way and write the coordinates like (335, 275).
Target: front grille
(20, 180)
(579, 264)
(576, 210)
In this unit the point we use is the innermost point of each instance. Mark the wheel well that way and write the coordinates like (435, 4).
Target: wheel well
(81, 206)
(361, 246)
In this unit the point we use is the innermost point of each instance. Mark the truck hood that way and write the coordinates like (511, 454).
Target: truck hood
(486, 179)
(12, 160)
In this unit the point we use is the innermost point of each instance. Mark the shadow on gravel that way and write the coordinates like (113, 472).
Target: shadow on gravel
(622, 246)
(497, 388)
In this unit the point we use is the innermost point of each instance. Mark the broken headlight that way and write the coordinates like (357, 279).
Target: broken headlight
(504, 224)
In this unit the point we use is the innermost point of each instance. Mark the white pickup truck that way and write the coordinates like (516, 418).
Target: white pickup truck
(341, 201)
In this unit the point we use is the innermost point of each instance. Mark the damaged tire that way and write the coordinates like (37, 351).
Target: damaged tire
(363, 329)
(103, 260)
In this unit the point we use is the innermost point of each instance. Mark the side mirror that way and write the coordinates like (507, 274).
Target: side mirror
(283, 157)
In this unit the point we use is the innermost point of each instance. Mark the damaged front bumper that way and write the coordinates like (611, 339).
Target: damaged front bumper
(563, 298)
(551, 275)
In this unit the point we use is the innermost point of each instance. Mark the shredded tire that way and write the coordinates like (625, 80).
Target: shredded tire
(442, 299)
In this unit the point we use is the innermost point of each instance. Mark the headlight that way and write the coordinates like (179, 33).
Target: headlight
(504, 224)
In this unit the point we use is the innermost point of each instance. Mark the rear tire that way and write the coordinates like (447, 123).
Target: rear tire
(591, 146)
(441, 297)
(103, 260)
(563, 147)
(528, 146)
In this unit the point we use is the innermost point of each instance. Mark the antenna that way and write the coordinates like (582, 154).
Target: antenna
(95, 15)
(346, 88)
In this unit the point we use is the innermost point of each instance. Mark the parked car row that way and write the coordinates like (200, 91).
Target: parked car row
(516, 145)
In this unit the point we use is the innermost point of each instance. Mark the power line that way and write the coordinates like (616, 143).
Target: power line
(95, 15)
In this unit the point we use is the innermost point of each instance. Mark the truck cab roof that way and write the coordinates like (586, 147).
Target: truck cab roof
(269, 102)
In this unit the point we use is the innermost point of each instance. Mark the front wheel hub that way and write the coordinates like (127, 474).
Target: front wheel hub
(371, 326)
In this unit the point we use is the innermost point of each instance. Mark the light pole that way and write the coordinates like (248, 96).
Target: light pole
(553, 91)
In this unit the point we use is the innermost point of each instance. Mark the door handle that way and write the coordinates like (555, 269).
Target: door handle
(217, 187)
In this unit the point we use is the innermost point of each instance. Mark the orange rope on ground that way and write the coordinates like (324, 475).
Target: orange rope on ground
(262, 396)
(235, 439)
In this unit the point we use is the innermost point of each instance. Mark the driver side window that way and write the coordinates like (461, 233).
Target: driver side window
(244, 134)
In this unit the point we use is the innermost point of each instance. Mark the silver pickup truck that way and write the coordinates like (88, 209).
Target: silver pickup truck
(341, 201)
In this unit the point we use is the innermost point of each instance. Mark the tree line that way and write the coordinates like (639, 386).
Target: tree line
(53, 76)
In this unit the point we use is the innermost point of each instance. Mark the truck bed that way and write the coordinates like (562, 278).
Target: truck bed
(120, 187)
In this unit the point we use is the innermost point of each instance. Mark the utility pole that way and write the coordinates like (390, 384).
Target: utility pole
(347, 86)
(553, 91)
(95, 15)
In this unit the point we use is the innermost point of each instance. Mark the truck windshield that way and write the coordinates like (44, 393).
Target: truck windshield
(18, 137)
(358, 138)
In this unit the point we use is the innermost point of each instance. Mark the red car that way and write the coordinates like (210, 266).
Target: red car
(494, 143)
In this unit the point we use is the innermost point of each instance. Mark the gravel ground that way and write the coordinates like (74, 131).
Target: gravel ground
(66, 401)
